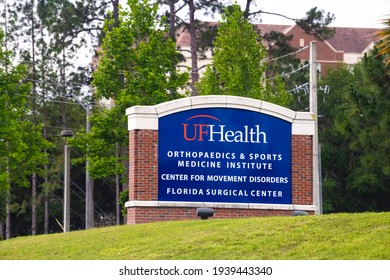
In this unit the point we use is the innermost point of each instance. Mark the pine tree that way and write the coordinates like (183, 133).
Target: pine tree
(21, 141)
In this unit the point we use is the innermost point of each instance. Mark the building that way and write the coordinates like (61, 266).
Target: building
(347, 46)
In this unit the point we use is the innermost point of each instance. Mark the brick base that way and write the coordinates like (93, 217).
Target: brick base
(138, 215)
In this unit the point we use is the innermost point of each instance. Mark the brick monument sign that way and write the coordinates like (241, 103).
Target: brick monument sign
(240, 157)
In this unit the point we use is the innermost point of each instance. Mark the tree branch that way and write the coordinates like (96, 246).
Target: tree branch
(271, 13)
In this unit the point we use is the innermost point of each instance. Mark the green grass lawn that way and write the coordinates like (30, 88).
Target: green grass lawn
(338, 236)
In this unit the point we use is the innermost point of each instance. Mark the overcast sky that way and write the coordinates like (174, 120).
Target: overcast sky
(348, 13)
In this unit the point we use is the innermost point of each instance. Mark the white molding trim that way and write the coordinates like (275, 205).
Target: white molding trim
(146, 117)
(252, 206)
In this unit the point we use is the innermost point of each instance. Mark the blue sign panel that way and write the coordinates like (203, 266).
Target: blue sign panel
(224, 155)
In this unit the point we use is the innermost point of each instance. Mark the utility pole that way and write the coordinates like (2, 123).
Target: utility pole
(314, 110)
(89, 202)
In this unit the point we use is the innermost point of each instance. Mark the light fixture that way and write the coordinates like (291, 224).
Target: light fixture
(204, 213)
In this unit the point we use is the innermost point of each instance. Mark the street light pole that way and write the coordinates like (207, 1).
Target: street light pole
(67, 188)
(89, 210)
(89, 205)
(67, 133)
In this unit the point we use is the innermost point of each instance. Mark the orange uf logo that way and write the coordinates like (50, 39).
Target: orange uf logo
(197, 131)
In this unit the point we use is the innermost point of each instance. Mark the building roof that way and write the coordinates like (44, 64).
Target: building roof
(267, 28)
(353, 40)
(346, 39)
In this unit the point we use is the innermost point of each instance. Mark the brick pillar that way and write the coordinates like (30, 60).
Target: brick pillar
(143, 172)
(302, 169)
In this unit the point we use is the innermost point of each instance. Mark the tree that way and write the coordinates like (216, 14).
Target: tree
(36, 28)
(21, 142)
(31, 38)
(137, 67)
(316, 22)
(48, 36)
(354, 133)
(281, 58)
(202, 35)
(55, 33)
(238, 63)
(192, 25)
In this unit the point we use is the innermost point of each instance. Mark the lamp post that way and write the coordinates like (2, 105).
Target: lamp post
(89, 204)
(89, 209)
(66, 134)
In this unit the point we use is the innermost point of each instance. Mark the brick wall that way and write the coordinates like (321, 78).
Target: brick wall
(143, 182)
(302, 169)
(143, 172)
(139, 215)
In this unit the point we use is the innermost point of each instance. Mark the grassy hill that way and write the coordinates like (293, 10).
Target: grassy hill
(338, 236)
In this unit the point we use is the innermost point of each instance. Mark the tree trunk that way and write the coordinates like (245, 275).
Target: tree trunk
(247, 8)
(34, 201)
(194, 48)
(118, 206)
(115, 8)
(125, 186)
(117, 189)
(1, 229)
(46, 210)
(172, 30)
(8, 215)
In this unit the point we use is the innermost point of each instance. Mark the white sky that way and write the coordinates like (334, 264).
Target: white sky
(348, 13)
(358, 13)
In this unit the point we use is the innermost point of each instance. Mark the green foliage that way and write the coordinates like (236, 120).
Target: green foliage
(21, 142)
(123, 198)
(355, 133)
(137, 67)
(282, 62)
(238, 63)
(316, 23)
(276, 92)
(65, 20)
